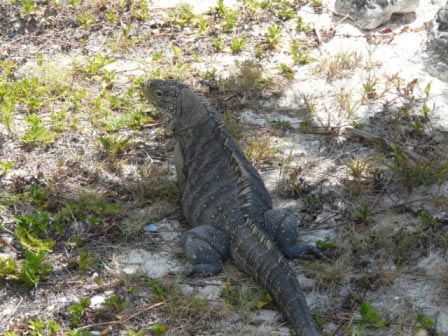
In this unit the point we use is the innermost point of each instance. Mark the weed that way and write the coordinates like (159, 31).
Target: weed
(344, 100)
(301, 25)
(84, 261)
(111, 15)
(369, 88)
(237, 44)
(273, 36)
(6, 167)
(286, 71)
(158, 288)
(218, 43)
(282, 125)
(158, 329)
(115, 303)
(248, 80)
(369, 316)
(259, 150)
(417, 172)
(78, 309)
(364, 214)
(329, 276)
(326, 245)
(123, 39)
(424, 322)
(114, 145)
(299, 52)
(140, 10)
(310, 105)
(93, 65)
(28, 6)
(232, 124)
(209, 75)
(86, 19)
(357, 168)
(340, 64)
(33, 269)
(37, 133)
(242, 298)
(229, 17)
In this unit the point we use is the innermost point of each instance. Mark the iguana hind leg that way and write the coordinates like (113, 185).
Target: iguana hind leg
(281, 226)
(206, 248)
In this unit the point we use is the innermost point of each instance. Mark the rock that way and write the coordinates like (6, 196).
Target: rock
(437, 47)
(369, 14)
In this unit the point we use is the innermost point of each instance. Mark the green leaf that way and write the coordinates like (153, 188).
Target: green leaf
(370, 316)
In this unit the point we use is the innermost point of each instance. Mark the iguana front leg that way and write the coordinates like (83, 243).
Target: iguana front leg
(281, 226)
(179, 163)
(206, 248)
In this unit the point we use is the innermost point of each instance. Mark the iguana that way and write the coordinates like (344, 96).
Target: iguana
(226, 202)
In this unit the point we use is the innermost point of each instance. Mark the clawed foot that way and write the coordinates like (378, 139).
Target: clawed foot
(304, 251)
(204, 270)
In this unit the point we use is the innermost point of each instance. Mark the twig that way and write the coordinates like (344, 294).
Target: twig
(124, 320)
(15, 309)
(4, 241)
(401, 204)
(373, 137)
(102, 232)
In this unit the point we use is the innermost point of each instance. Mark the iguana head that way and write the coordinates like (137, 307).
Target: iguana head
(175, 100)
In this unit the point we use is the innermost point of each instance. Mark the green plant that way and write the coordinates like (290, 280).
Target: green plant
(84, 261)
(241, 298)
(370, 88)
(273, 36)
(140, 10)
(111, 15)
(86, 19)
(218, 43)
(37, 133)
(78, 309)
(259, 150)
(114, 145)
(158, 329)
(286, 71)
(237, 44)
(340, 64)
(424, 322)
(299, 52)
(326, 245)
(370, 317)
(33, 269)
(364, 214)
(115, 303)
(301, 25)
(228, 16)
(357, 168)
(158, 288)
(6, 167)
(28, 6)
(344, 100)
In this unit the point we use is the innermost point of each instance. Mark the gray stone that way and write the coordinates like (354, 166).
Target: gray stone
(437, 47)
(369, 14)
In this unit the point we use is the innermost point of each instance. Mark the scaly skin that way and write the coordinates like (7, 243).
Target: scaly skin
(225, 200)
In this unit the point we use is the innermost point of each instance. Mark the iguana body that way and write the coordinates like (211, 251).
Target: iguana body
(226, 201)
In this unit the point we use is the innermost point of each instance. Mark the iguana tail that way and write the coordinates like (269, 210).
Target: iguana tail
(255, 253)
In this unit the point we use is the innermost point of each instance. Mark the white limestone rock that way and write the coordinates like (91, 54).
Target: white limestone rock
(437, 48)
(370, 14)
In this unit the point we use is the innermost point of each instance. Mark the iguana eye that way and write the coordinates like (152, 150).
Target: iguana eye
(159, 93)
